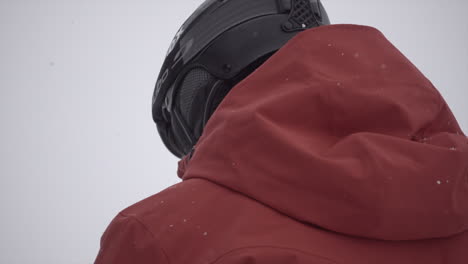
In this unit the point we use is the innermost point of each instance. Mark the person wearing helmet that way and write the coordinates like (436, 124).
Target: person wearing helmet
(217, 47)
(299, 142)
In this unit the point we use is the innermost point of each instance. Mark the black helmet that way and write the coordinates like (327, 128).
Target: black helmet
(221, 43)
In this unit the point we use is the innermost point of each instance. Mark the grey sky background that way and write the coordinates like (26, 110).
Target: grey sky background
(76, 78)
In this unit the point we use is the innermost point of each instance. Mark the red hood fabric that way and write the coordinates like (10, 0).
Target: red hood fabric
(340, 130)
(336, 151)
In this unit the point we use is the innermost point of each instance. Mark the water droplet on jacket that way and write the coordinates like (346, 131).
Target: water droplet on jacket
(171, 225)
(234, 164)
(424, 140)
(439, 182)
(287, 79)
(342, 53)
(329, 45)
(356, 55)
(453, 148)
(185, 220)
(162, 201)
(338, 84)
(383, 66)
(193, 202)
(205, 234)
(448, 181)
(198, 227)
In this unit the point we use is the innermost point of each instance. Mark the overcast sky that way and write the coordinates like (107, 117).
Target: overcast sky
(77, 140)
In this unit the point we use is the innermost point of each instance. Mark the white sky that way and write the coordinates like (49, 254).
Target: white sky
(77, 140)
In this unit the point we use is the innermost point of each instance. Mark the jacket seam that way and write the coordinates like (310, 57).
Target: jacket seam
(274, 247)
(149, 232)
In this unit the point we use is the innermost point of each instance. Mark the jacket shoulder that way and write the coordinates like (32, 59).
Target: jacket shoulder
(126, 240)
(264, 254)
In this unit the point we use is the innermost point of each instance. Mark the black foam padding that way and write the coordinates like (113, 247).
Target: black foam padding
(191, 97)
(193, 82)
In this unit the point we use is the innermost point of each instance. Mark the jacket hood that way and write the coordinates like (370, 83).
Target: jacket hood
(340, 131)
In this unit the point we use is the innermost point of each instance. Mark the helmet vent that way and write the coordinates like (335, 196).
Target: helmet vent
(301, 17)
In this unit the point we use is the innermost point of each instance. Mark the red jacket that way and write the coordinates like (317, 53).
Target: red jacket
(336, 151)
